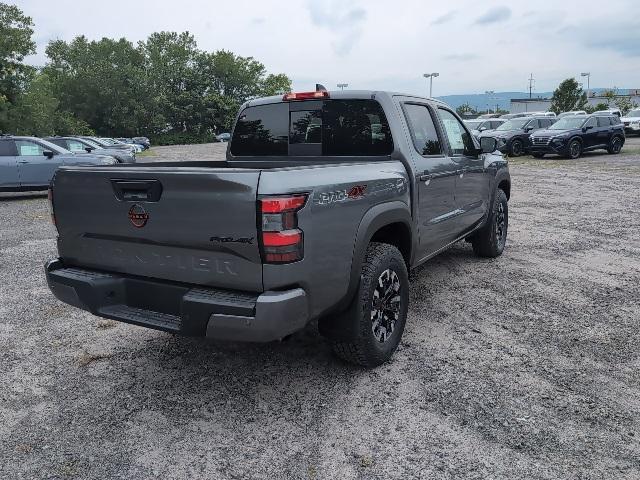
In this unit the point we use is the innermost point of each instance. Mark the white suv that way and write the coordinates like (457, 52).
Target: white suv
(631, 122)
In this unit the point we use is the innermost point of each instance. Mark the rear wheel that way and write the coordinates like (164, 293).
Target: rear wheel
(517, 148)
(381, 310)
(615, 145)
(490, 240)
(575, 149)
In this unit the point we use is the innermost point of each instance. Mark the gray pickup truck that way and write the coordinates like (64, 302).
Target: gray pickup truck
(324, 203)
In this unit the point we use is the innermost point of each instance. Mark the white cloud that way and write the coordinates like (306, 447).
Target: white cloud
(380, 45)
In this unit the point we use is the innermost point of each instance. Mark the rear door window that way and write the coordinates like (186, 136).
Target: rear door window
(604, 122)
(7, 148)
(28, 148)
(423, 130)
(355, 127)
(313, 128)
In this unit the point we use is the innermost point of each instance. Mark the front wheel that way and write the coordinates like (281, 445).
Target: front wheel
(381, 310)
(615, 146)
(490, 240)
(575, 149)
(517, 148)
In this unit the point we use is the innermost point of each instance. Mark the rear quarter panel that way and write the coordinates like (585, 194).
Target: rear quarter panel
(330, 221)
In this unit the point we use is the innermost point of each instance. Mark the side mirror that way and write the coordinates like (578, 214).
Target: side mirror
(88, 149)
(488, 144)
(528, 129)
(588, 127)
(48, 153)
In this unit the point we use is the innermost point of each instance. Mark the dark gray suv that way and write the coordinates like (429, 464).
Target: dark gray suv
(513, 135)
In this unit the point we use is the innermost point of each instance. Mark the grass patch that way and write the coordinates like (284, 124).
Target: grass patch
(146, 153)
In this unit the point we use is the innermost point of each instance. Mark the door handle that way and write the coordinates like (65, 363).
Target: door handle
(23, 161)
(425, 177)
(137, 190)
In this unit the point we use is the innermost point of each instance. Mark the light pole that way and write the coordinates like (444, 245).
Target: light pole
(490, 93)
(430, 77)
(588, 75)
(342, 86)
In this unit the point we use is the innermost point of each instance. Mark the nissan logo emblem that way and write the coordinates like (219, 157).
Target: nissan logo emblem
(138, 216)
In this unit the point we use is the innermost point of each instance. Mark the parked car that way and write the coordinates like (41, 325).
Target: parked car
(223, 137)
(28, 163)
(80, 145)
(570, 136)
(612, 111)
(479, 125)
(509, 116)
(572, 113)
(102, 142)
(631, 122)
(112, 141)
(513, 135)
(540, 114)
(254, 247)
(130, 141)
(144, 141)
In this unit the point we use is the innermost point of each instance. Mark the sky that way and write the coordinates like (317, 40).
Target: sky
(381, 44)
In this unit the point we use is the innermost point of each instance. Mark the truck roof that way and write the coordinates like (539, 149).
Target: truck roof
(346, 95)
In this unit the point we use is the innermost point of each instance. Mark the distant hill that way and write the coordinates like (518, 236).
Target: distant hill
(480, 101)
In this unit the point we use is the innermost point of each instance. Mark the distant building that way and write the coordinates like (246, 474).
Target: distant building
(519, 105)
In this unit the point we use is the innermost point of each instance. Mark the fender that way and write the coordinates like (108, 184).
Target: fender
(334, 325)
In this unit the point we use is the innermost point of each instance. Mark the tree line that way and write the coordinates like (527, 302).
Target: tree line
(165, 87)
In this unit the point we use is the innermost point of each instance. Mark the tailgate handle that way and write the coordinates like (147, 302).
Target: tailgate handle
(137, 190)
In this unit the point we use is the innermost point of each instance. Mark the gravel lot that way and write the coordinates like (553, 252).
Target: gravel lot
(525, 366)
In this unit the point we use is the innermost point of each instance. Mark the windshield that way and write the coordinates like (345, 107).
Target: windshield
(568, 123)
(53, 147)
(515, 124)
(101, 143)
(90, 143)
(634, 113)
(473, 124)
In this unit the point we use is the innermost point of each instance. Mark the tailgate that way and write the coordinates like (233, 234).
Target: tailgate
(183, 224)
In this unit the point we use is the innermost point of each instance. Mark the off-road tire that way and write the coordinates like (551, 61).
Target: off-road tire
(490, 240)
(517, 148)
(574, 149)
(615, 145)
(366, 350)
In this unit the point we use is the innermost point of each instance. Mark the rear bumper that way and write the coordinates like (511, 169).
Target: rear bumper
(180, 308)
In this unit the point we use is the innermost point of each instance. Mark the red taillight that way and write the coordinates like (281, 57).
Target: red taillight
(305, 95)
(282, 204)
(281, 239)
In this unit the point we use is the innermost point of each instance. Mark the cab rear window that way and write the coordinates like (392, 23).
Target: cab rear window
(314, 128)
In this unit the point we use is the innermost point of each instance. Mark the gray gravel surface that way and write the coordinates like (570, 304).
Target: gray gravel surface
(525, 366)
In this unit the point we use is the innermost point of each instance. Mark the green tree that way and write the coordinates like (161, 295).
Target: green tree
(465, 109)
(100, 83)
(568, 96)
(596, 108)
(15, 44)
(625, 104)
(34, 112)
